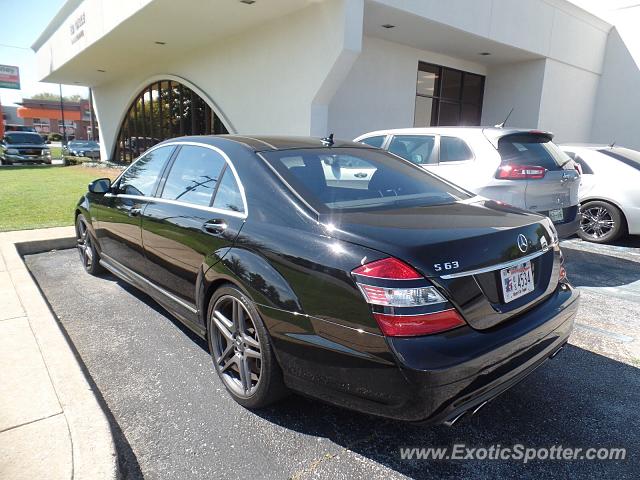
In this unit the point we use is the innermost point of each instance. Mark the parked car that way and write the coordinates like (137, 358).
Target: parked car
(610, 193)
(411, 298)
(23, 147)
(523, 168)
(81, 148)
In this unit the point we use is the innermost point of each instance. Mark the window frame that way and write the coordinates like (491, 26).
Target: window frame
(163, 176)
(455, 162)
(436, 148)
(437, 98)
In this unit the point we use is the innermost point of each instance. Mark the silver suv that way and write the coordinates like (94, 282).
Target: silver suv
(520, 167)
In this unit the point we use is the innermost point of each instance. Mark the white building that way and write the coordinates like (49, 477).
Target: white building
(161, 68)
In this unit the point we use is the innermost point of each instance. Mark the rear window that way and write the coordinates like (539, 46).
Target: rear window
(625, 155)
(534, 150)
(15, 138)
(355, 179)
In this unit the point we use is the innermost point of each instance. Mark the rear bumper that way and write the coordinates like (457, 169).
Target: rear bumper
(435, 378)
(565, 230)
(27, 158)
(570, 225)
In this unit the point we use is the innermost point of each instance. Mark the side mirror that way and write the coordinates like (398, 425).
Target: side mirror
(100, 186)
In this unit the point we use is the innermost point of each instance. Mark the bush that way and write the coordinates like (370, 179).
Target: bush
(55, 137)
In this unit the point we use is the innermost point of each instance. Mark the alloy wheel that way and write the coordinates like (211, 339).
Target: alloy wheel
(597, 222)
(236, 346)
(84, 245)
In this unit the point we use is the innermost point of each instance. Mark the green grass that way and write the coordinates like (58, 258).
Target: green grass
(37, 197)
(56, 152)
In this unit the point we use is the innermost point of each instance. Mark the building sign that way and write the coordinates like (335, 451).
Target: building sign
(9, 77)
(76, 29)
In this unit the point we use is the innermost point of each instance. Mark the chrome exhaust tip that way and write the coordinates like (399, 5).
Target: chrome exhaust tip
(479, 407)
(554, 354)
(454, 420)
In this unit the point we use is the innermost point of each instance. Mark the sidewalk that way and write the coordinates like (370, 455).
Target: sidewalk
(51, 424)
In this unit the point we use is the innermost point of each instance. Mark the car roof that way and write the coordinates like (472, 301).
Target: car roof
(261, 143)
(590, 146)
(493, 134)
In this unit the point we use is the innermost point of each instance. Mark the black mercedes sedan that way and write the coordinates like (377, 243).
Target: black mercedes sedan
(336, 270)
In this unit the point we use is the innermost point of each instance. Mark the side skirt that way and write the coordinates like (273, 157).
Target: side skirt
(169, 301)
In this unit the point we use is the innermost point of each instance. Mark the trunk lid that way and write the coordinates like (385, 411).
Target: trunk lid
(460, 248)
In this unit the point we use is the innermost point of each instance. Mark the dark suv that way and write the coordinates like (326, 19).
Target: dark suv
(23, 147)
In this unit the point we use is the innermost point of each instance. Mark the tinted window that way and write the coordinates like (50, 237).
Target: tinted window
(17, 138)
(417, 149)
(323, 178)
(453, 149)
(374, 141)
(141, 177)
(625, 155)
(228, 195)
(193, 175)
(531, 149)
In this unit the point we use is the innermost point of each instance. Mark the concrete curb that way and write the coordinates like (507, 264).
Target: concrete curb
(93, 453)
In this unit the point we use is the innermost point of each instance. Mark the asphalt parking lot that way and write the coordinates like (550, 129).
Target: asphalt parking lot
(172, 418)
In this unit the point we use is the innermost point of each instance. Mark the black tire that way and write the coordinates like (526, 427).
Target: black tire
(601, 222)
(89, 255)
(269, 386)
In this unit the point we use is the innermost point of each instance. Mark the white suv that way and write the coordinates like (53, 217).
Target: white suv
(520, 167)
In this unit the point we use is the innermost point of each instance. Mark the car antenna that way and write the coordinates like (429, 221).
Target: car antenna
(612, 144)
(501, 125)
(328, 141)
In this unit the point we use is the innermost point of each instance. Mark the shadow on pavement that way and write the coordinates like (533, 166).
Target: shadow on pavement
(579, 399)
(588, 269)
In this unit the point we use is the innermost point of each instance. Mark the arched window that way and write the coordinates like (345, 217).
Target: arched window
(164, 109)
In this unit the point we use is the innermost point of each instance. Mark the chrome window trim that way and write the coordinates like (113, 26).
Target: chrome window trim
(499, 266)
(226, 158)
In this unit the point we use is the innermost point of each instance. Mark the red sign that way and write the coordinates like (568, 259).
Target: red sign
(9, 77)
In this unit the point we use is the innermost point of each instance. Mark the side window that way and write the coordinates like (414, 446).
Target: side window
(417, 149)
(374, 141)
(454, 149)
(141, 177)
(228, 196)
(193, 175)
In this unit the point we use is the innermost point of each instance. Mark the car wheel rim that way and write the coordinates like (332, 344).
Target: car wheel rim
(84, 245)
(597, 222)
(236, 346)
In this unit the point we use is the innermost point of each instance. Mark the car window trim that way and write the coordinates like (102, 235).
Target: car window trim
(228, 162)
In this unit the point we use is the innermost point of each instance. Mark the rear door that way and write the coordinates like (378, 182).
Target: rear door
(556, 192)
(118, 213)
(199, 210)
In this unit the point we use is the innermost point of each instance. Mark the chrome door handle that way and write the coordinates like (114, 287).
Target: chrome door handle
(215, 227)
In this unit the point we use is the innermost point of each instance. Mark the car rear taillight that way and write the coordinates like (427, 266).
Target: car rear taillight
(404, 303)
(578, 167)
(563, 269)
(520, 172)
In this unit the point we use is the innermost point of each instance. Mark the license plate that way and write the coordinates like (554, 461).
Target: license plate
(556, 215)
(516, 281)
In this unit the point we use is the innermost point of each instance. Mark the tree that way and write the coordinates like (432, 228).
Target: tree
(52, 96)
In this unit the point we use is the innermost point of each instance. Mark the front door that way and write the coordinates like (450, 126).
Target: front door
(198, 211)
(118, 213)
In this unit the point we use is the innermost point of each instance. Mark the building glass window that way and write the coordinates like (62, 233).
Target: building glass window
(447, 97)
(165, 109)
